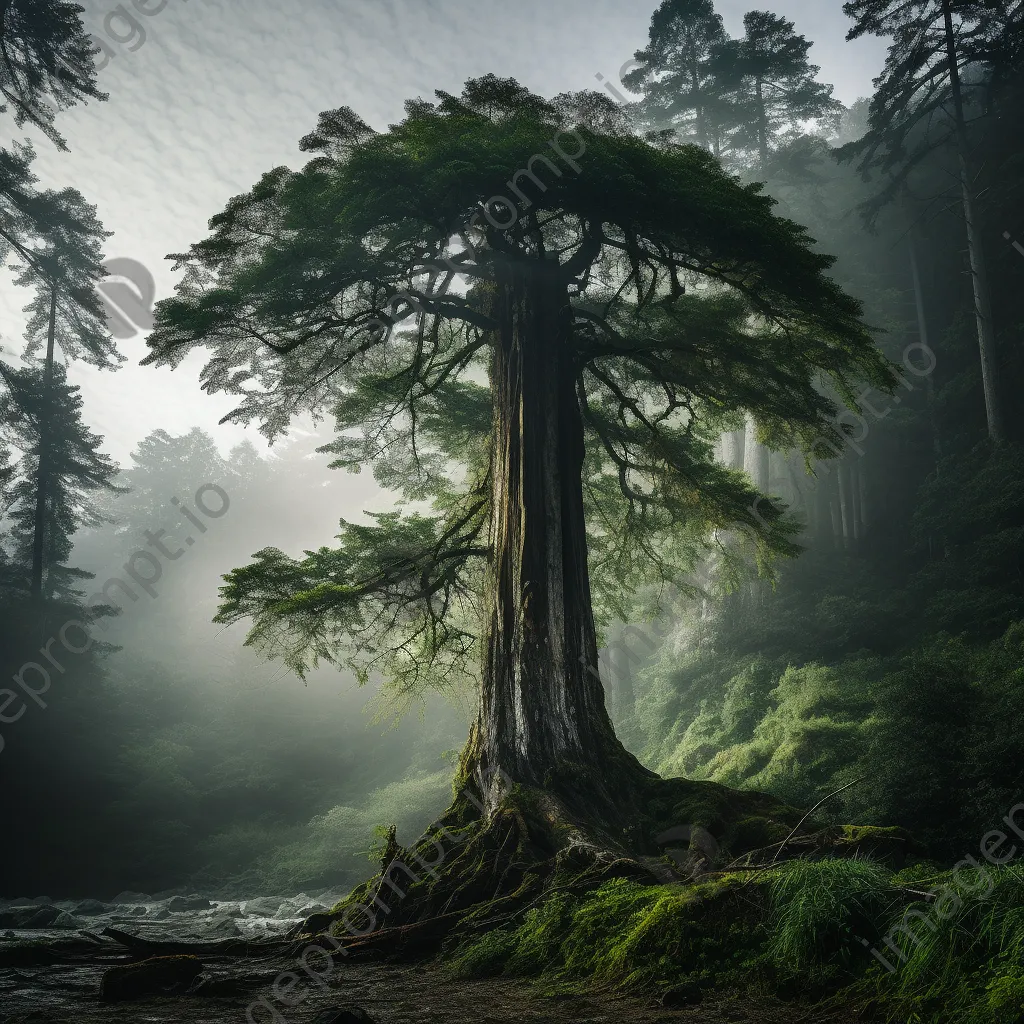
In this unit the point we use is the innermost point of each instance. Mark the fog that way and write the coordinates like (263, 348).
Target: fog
(196, 763)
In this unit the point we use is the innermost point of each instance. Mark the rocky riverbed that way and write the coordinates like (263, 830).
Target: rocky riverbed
(172, 916)
(54, 954)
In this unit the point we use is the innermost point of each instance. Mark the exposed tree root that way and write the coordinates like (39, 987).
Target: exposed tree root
(473, 870)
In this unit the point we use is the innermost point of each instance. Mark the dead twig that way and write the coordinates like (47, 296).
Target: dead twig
(811, 811)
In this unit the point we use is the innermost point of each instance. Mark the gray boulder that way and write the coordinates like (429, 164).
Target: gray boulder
(29, 917)
(264, 906)
(131, 897)
(221, 928)
(92, 908)
(228, 910)
(313, 924)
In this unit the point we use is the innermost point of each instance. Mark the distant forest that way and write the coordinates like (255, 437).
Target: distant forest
(172, 755)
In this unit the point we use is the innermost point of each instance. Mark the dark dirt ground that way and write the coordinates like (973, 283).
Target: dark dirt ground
(64, 990)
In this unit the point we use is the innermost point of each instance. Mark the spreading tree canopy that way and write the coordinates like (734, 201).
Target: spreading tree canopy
(536, 323)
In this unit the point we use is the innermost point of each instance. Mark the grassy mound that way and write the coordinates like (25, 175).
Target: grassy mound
(803, 929)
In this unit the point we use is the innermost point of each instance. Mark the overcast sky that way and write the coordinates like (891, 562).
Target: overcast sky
(220, 91)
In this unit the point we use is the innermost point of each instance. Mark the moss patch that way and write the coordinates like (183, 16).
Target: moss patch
(627, 934)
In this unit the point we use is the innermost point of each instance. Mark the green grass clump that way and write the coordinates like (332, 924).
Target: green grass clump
(820, 906)
(969, 967)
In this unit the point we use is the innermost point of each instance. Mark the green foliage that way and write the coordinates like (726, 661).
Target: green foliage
(742, 98)
(972, 512)
(818, 908)
(177, 758)
(329, 290)
(290, 798)
(48, 65)
(966, 966)
(401, 577)
(776, 84)
(330, 849)
(806, 734)
(49, 426)
(66, 259)
(934, 733)
(676, 74)
(795, 929)
(48, 62)
(910, 115)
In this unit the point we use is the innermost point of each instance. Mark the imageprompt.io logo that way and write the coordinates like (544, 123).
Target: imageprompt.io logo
(127, 295)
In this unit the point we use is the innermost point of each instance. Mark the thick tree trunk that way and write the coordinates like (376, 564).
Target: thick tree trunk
(584, 806)
(43, 467)
(542, 706)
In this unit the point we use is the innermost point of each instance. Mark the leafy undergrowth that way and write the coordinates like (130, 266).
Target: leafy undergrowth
(801, 930)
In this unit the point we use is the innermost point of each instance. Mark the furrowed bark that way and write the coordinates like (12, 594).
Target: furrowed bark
(542, 702)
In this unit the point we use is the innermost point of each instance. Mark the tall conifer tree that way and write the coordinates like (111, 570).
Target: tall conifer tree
(65, 313)
(677, 77)
(561, 413)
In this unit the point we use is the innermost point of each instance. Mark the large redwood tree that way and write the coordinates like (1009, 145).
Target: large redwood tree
(534, 325)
